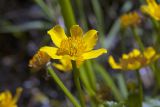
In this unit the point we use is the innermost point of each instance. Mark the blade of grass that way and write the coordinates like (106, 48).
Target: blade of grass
(122, 85)
(113, 32)
(85, 81)
(67, 13)
(108, 80)
(90, 74)
(99, 15)
(49, 12)
(24, 27)
(88, 88)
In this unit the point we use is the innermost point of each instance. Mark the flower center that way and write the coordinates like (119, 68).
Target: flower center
(73, 46)
(133, 60)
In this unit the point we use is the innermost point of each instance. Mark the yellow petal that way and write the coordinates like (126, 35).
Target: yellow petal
(76, 31)
(134, 53)
(18, 94)
(57, 35)
(51, 51)
(94, 53)
(149, 53)
(113, 64)
(59, 66)
(66, 61)
(90, 39)
(8, 95)
(65, 64)
(152, 3)
(125, 56)
(133, 66)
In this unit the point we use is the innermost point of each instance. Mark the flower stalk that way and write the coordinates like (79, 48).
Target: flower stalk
(67, 13)
(61, 85)
(137, 38)
(140, 88)
(156, 25)
(76, 76)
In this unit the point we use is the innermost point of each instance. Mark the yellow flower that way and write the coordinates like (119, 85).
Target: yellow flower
(135, 59)
(65, 65)
(130, 19)
(77, 47)
(152, 9)
(38, 60)
(7, 100)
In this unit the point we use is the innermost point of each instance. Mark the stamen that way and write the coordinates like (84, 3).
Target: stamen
(72, 47)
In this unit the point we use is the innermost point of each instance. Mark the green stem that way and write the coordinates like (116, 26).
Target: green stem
(156, 26)
(90, 74)
(67, 13)
(140, 87)
(62, 86)
(123, 45)
(76, 75)
(137, 38)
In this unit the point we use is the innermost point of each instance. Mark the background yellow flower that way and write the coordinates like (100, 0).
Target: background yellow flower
(135, 59)
(152, 8)
(7, 100)
(130, 19)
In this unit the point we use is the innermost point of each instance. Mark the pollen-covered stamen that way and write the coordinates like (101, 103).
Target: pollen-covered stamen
(72, 47)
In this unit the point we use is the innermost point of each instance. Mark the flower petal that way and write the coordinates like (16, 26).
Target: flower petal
(134, 53)
(149, 53)
(60, 67)
(65, 64)
(94, 53)
(113, 64)
(57, 35)
(66, 61)
(76, 31)
(51, 51)
(125, 56)
(152, 3)
(90, 39)
(18, 94)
